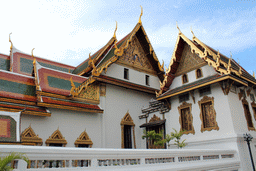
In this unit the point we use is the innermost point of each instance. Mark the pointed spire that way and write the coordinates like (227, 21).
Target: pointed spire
(114, 36)
(230, 55)
(141, 13)
(253, 74)
(32, 54)
(178, 27)
(192, 32)
(10, 41)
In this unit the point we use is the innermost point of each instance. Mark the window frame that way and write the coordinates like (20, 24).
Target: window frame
(147, 80)
(188, 106)
(201, 72)
(252, 128)
(183, 80)
(203, 101)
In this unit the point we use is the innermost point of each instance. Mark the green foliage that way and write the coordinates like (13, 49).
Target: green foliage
(4, 161)
(157, 138)
(177, 136)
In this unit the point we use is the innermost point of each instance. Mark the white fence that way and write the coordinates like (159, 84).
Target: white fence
(69, 159)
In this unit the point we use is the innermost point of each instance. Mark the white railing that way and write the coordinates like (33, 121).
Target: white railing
(64, 158)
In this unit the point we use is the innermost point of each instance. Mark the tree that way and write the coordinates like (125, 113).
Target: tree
(177, 136)
(155, 138)
(4, 161)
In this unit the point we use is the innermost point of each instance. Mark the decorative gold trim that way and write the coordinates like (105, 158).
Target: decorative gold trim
(200, 71)
(154, 118)
(208, 83)
(56, 138)
(28, 137)
(244, 102)
(114, 36)
(83, 139)
(127, 120)
(17, 101)
(11, 59)
(185, 105)
(37, 82)
(103, 89)
(207, 99)
(141, 13)
(26, 112)
(75, 91)
(254, 109)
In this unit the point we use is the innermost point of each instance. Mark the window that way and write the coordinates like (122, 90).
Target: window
(183, 97)
(147, 79)
(208, 114)
(199, 73)
(252, 97)
(184, 78)
(186, 119)
(83, 141)
(126, 73)
(205, 91)
(247, 114)
(254, 109)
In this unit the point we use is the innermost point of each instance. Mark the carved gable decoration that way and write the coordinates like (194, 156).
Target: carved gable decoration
(189, 61)
(135, 57)
(28, 137)
(83, 139)
(154, 118)
(127, 120)
(56, 138)
(92, 93)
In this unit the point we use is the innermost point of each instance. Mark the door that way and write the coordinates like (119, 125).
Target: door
(127, 136)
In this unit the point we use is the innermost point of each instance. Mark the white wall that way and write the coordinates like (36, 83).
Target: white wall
(137, 77)
(206, 71)
(118, 102)
(70, 123)
(223, 117)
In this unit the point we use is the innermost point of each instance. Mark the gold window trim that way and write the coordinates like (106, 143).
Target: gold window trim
(244, 102)
(28, 137)
(56, 138)
(254, 111)
(182, 78)
(154, 118)
(200, 71)
(207, 99)
(83, 139)
(185, 105)
(127, 120)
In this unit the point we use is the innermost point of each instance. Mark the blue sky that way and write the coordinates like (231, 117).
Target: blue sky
(67, 31)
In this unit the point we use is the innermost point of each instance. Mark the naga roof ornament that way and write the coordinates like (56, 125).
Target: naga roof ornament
(114, 36)
(10, 41)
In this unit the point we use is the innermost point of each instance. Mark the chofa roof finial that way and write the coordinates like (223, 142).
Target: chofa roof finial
(141, 13)
(115, 31)
(10, 41)
(192, 31)
(32, 54)
(178, 27)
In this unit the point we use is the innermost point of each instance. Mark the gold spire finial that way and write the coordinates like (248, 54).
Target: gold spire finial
(253, 74)
(178, 27)
(230, 55)
(115, 31)
(10, 41)
(218, 54)
(32, 52)
(141, 13)
(34, 61)
(192, 31)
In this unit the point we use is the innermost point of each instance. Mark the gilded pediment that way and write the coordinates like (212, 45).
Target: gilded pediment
(135, 57)
(189, 61)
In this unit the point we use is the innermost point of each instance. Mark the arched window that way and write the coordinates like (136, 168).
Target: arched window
(184, 78)
(199, 73)
(28, 137)
(56, 139)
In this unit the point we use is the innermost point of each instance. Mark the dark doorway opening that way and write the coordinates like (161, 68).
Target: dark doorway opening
(127, 136)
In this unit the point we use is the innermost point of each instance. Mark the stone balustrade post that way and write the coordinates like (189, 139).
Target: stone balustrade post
(94, 162)
(22, 165)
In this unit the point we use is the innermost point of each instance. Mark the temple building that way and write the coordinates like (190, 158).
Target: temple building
(121, 90)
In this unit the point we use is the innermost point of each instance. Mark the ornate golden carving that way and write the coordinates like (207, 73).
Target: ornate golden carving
(189, 61)
(11, 59)
(226, 86)
(135, 57)
(141, 13)
(154, 118)
(91, 92)
(28, 136)
(75, 91)
(37, 81)
(186, 118)
(127, 120)
(248, 115)
(115, 31)
(207, 114)
(56, 138)
(83, 139)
